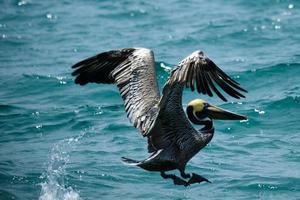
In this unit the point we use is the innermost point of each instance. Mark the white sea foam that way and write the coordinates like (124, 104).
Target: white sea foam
(53, 186)
(53, 191)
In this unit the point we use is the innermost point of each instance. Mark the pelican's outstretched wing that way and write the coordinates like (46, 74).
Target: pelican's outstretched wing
(195, 71)
(198, 71)
(133, 70)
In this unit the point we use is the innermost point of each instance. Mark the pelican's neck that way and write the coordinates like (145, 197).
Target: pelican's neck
(208, 124)
(190, 114)
(207, 131)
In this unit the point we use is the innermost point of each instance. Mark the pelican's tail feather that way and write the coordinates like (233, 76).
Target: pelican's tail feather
(129, 161)
(156, 162)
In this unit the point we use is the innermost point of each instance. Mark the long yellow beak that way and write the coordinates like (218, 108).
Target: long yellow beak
(217, 113)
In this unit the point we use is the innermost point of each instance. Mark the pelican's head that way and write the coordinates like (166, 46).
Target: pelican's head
(199, 112)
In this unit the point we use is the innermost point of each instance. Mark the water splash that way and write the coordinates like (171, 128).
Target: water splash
(54, 186)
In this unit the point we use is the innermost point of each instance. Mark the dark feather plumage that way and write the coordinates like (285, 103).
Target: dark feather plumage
(198, 71)
(97, 69)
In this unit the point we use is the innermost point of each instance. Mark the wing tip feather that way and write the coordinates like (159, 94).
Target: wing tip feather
(197, 70)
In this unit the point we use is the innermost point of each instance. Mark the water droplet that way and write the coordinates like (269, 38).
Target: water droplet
(61, 80)
(39, 126)
(21, 3)
(35, 113)
(4, 36)
(291, 6)
(277, 27)
(50, 16)
(99, 113)
(272, 187)
(261, 112)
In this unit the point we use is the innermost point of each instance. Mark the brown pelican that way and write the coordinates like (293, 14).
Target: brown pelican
(172, 140)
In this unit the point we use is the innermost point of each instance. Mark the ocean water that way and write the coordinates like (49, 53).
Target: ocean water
(61, 141)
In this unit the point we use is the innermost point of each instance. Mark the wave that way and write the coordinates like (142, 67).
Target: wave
(291, 102)
(276, 68)
(8, 108)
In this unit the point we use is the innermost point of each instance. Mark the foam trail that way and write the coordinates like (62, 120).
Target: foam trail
(53, 186)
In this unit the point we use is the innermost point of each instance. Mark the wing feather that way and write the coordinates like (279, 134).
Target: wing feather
(197, 70)
(215, 89)
(133, 71)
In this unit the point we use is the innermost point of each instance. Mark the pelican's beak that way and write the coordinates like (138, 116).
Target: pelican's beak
(217, 113)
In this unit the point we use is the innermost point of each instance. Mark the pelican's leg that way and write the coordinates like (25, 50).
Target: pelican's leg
(196, 178)
(176, 179)
(183, 174)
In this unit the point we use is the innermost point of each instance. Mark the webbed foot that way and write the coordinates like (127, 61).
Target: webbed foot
(176, 180)
(196, 178)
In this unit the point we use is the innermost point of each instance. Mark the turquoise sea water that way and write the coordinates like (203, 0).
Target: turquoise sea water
(62, 141)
